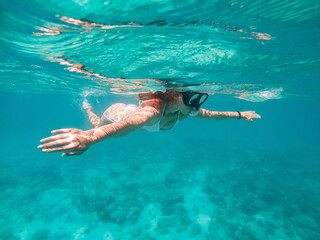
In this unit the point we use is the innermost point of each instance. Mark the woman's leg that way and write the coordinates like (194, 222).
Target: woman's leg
(94, 119)
(115, 113)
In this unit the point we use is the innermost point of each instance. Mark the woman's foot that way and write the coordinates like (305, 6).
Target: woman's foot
(86, 105)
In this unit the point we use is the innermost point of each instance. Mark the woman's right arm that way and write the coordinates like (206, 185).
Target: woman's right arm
(75, 141)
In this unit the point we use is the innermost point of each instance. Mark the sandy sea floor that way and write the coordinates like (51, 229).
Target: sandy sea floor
(156, 195)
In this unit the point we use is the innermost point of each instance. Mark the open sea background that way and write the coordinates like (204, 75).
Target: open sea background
(202, 180)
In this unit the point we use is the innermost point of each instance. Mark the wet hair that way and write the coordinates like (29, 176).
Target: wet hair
(166, 96)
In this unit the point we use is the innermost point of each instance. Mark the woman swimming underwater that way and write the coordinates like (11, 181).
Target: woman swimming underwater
(157, 111)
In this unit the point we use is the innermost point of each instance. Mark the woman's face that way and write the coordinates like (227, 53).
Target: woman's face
(186, 110)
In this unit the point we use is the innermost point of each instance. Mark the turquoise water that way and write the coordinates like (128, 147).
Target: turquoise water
(202, 180)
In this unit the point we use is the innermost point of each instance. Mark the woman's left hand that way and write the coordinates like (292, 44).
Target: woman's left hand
(249, 115)
(71, 141)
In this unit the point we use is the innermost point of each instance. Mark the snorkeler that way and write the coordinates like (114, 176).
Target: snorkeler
(157, 111)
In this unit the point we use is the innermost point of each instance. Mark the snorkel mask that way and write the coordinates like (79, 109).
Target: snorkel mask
(194, 99)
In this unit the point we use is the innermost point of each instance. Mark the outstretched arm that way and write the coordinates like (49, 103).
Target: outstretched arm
(144, 116)
(75, 141)
(214, 115)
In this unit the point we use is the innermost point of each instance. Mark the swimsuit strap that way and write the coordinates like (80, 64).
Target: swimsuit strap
(164, 108)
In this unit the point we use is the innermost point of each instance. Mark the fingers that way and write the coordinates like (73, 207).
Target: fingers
(255, 115)
(59, 131)
(57, 149)
(249, 119)
(72, 153)
(66, 140)
(54, 138)
(250, 115)
(56, 143)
